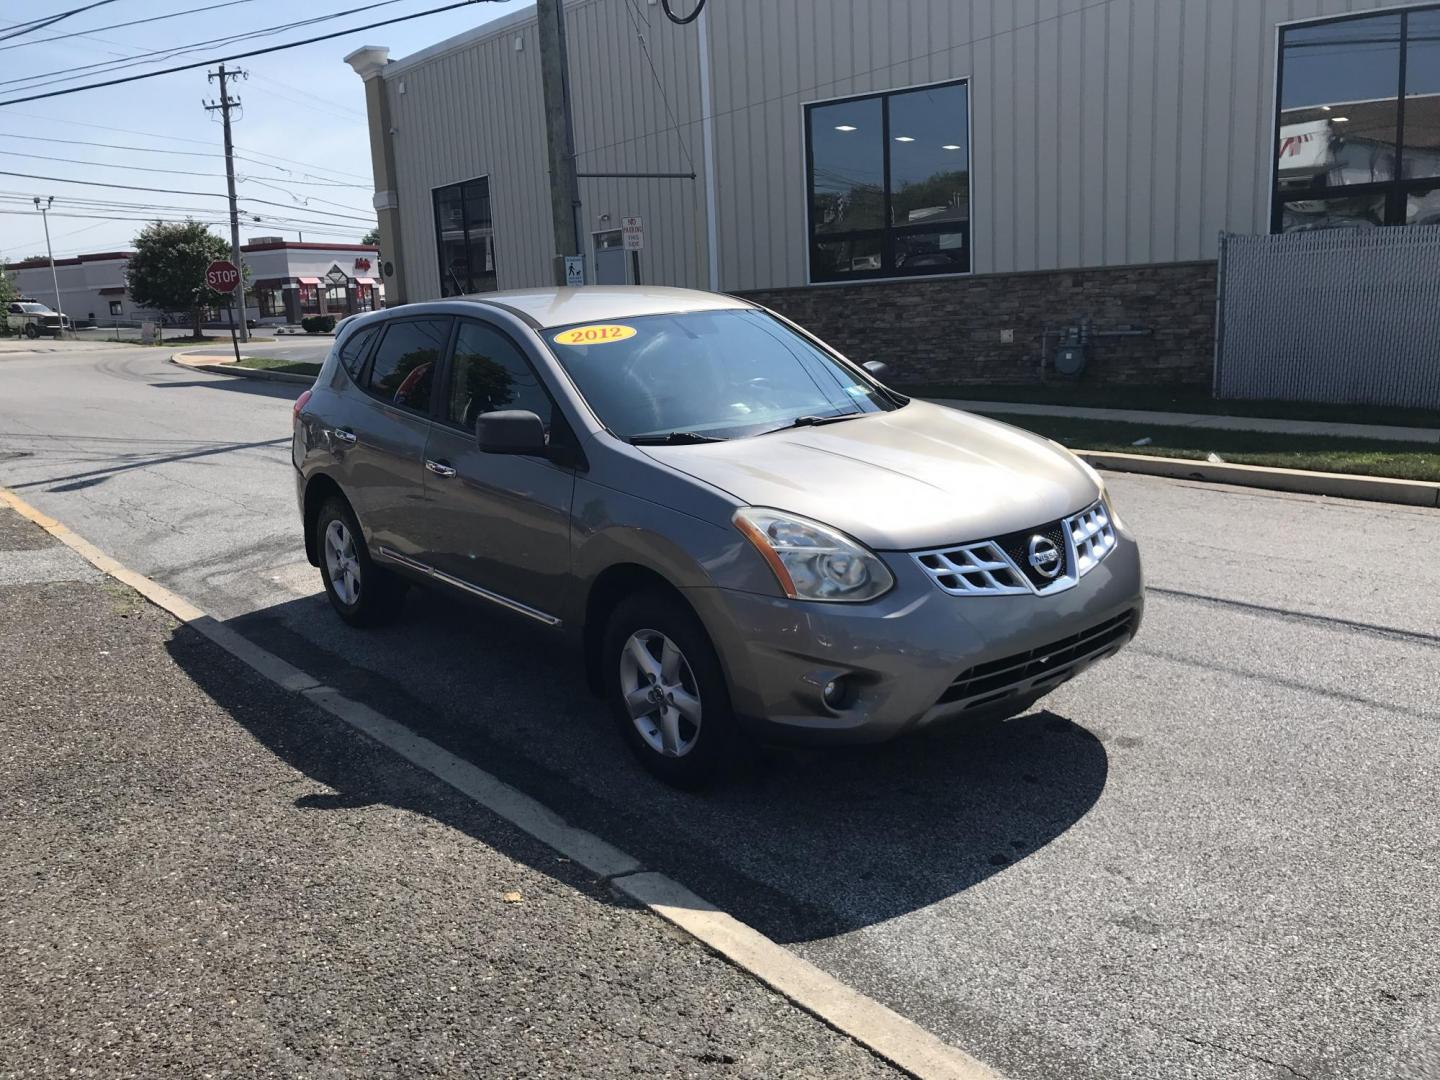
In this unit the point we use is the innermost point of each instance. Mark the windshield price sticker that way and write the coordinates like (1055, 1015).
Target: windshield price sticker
(599, 334)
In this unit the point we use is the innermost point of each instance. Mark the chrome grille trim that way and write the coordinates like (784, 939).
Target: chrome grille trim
(983, 568)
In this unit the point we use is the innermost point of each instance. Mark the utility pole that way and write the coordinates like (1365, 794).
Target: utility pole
(223, 107)
(44, 209)
(559, 133)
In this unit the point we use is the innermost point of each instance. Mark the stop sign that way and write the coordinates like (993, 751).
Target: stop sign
(222, 275)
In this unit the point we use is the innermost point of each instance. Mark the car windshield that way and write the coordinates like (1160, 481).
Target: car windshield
(35, 309)
(703, 375)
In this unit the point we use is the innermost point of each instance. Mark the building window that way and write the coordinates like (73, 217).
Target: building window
(1358, 122)
(271, 302)
(465, 238)
(889, 184)
(337, 300)
(116, 307)
(310, 296)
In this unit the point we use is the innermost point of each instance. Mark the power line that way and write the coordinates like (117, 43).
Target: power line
(654, 74)
(238, 56)
(132, 22)
(157, 55)
(50, 20)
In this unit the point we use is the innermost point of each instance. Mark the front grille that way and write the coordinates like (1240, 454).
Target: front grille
(1017, 546)
(995, 679)
(1001, 565)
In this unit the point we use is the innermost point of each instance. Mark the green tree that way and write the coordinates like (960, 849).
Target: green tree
(167, 271)
(371, 237)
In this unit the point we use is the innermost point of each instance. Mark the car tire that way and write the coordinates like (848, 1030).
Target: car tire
(32, 331)
(690, 735)
(362, 593)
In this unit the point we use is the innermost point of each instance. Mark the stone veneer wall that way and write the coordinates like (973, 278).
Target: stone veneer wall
(948, 330)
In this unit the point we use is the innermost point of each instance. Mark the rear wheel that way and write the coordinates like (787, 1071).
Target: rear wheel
(666, 690)
(361, 593)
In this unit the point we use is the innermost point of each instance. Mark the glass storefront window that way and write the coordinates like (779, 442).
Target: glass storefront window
(1358, 120)
(465, 239)
(889, 184)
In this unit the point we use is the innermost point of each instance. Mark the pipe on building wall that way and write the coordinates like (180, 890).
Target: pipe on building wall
(707, 134)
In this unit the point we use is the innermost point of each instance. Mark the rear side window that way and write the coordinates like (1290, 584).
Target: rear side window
(402, 371)
(352, 353)
(490, 373)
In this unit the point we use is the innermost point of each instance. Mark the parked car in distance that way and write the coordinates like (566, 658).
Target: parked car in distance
(33, 319)
(743, 532)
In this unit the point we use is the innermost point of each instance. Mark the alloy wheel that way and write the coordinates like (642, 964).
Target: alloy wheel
(342, 562)
(660, 692)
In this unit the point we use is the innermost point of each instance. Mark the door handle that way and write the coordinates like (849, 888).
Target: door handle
(341, 435)
(439, 468)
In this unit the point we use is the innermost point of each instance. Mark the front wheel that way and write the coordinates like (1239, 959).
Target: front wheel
(666, 690)
(31, 330)
(361, 593)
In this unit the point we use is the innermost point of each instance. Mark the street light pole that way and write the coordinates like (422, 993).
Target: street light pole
(50, 254)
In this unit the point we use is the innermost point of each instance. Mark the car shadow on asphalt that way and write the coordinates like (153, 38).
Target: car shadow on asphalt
(263, 387)
(800, 844)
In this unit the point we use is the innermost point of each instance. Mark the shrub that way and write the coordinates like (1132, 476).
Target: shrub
(318, 324)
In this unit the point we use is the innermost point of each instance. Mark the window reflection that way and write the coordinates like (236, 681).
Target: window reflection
(465, 238)
(890, 184)
(1422, 95)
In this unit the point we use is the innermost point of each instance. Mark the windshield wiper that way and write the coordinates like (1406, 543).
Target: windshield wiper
(673, 438)
(814, 421)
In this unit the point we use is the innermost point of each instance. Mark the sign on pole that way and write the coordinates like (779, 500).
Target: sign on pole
(632, 230)
(574, 270)
(222, 275)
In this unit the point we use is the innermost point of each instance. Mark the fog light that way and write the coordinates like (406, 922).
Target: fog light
(836, 694)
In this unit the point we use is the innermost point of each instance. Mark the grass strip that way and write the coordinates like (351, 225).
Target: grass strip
(1317, 453)
(278, 363)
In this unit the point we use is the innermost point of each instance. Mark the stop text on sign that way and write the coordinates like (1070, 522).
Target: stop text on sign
(222, 276)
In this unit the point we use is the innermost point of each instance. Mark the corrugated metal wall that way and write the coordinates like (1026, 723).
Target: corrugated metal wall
(1105, 132)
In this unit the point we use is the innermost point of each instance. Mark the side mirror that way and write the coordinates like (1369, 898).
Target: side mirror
(513, 431)
(877, 368)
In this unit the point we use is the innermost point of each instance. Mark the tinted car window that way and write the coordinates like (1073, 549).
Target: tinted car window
(725, 374)
(402, 370)
(352, 353)
(490, 373)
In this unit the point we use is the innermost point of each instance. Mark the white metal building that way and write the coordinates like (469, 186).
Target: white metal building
(858, 141)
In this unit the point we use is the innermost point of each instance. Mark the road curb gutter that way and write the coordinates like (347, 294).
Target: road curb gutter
(244, 373)
(1338, 485)
(866, 1021)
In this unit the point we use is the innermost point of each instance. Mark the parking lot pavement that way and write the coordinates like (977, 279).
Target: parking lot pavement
(1211, 857)
(204, 876)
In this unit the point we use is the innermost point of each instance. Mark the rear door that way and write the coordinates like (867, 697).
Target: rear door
(499, 524)
(383, 431)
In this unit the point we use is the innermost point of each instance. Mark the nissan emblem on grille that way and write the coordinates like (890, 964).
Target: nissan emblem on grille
(1044, 556)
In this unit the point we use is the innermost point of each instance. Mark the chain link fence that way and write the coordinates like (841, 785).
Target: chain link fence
(1344, 316)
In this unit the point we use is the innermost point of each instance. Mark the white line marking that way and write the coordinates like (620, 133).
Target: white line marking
(899, 1041)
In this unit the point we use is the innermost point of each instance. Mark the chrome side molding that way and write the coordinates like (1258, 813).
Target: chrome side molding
(466, 587)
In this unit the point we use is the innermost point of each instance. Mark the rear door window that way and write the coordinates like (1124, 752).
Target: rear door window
(402, 370)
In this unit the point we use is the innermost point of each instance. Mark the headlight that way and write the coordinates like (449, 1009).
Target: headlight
(812, 561)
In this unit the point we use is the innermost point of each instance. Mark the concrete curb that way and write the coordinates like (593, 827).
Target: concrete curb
(243, 373)
(883, 1031)
(1336, 485)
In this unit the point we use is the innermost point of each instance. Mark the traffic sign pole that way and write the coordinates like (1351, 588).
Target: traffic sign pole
(234, 341)
(225, 277)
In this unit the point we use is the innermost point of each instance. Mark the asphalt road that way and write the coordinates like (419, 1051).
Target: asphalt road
(205, 875)
(1213, 856)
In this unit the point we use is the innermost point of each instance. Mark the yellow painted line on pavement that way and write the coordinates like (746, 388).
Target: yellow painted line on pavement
(886, 1033)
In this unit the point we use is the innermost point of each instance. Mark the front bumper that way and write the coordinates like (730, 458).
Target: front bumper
(916, 655)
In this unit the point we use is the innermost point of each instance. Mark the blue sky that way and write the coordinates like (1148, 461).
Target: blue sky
(303, 105)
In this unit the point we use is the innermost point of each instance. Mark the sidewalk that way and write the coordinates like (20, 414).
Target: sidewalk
(204, 875)
(1201, 420)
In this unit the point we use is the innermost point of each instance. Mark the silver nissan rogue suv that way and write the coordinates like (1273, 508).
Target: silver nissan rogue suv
(741, 530)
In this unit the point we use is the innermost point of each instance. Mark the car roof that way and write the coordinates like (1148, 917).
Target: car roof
(592, 303)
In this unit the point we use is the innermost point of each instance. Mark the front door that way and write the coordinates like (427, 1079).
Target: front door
(381, 436)
(497, 523)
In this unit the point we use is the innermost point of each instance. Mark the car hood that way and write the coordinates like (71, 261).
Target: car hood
(920, 476)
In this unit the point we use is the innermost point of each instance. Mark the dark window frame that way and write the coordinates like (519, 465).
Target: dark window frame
(1397, 190)
(362, 379)
(470, 272)
(887, 232)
